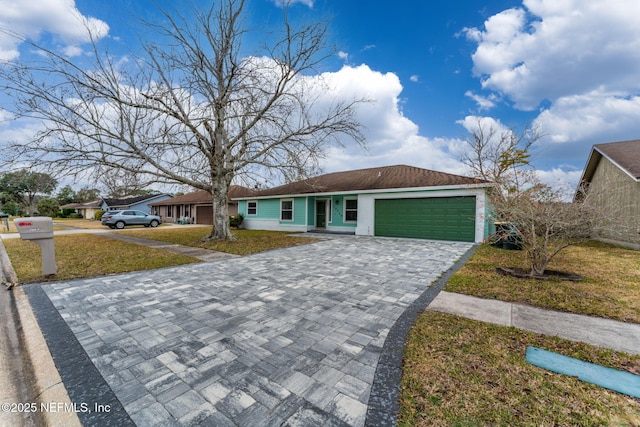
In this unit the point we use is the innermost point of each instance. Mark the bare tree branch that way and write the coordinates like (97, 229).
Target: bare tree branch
(193, 110)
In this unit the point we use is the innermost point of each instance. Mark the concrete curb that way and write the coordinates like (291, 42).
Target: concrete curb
(47, 389)
(9, 277)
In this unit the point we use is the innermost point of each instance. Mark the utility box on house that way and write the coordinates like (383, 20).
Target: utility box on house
(40, 230)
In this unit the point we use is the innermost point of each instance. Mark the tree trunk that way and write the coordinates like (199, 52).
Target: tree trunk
(221, 229)
(539, 261)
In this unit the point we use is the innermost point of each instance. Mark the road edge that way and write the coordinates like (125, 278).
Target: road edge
(44, 385)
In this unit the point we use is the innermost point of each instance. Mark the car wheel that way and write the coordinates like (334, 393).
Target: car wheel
(112, 227)
(120, 225)
(154, 223)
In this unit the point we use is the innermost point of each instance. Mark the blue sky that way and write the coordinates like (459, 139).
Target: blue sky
(431, 68)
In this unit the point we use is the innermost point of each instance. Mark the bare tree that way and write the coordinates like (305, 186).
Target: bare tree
(543, 221)
(120, 183)
(500, 155)
(195, 110)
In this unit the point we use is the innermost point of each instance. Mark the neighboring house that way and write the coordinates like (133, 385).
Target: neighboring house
(138, 203)
(86, 209)
(613, 173)
(394, 201)
(196, 207)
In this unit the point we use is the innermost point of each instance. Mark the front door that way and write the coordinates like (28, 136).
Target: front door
(321, 213)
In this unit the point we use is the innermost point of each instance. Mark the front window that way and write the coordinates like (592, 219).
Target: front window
(286, 210)
(252, 208)
(350, 210)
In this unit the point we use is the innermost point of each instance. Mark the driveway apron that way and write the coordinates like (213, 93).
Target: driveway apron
(286, 337)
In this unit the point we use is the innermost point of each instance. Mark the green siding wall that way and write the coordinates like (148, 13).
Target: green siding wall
(440, 218)
(270, 209)
(299, 211)
(337, 211)
(267, 209)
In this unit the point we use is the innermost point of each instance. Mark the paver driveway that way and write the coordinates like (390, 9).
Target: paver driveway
(290, 336)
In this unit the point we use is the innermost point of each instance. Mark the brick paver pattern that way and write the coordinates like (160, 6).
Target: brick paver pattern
(286, 337)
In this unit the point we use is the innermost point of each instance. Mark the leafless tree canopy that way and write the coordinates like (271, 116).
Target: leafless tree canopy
(500, 155)
(194, 110)
(544, 221)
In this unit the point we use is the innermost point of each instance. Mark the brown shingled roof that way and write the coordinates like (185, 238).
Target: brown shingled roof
(387, 177)
(625, 154)
(203, 197)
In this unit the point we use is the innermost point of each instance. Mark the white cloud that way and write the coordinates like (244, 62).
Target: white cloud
(550, 49)
(596, 117)
(415, 78)
(343, 55)
(60, 19)
(281, 3)
(484, 102)
(391, 137)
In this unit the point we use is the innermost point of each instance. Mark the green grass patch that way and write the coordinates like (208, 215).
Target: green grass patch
(246, 241)
(610, 288)
(459, 372)
(86, 255)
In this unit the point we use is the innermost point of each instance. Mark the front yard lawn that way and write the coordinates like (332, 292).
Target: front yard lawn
(247, 241)
(79, 223)
(87, 255)
(610, 288)
(459, 372)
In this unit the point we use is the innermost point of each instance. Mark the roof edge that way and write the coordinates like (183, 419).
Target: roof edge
(375, 191)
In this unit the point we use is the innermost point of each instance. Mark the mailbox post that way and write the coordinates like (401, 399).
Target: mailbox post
(40, 230)
(4, 218)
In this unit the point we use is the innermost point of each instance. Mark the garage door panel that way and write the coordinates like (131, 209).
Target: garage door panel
(204, 215)
(443, 218)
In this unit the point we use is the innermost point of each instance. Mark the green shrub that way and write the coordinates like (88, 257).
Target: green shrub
(76, 215)
(66, 212)
(235, 221)
(48, 206)
(98, 215)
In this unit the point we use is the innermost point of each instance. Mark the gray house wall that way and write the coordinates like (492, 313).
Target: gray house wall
(619, 195)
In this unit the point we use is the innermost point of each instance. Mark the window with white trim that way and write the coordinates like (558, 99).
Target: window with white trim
(286, 210)
(252, 207)
(350, 210)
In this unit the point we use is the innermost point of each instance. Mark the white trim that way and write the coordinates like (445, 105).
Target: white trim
(378, 191)
(272, 224)
(342, 229)
(293, 215)
(252, 201)
(344, 210)
(327, 212)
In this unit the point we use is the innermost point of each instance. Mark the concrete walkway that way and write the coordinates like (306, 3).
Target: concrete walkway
(619, 336)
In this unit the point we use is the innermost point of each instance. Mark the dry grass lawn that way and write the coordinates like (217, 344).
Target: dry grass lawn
(610, 288)
(86, 255)
(80, 223)
(459, 372)
(246, 242)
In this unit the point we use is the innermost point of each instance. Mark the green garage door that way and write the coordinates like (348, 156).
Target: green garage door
(439, 218)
